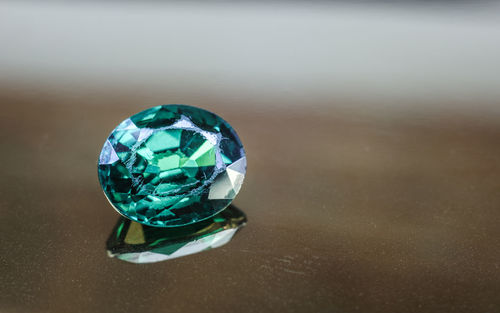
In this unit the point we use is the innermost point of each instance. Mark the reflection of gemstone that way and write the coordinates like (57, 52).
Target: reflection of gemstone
(137, 243)
(172, 165)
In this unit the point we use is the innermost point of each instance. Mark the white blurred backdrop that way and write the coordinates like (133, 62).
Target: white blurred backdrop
(416, 52)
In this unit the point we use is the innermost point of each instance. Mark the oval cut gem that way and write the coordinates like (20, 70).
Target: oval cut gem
(172, 165)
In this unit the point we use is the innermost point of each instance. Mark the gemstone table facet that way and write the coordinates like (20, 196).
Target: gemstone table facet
(172, 165)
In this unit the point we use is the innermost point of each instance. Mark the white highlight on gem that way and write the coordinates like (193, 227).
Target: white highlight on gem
(144, 134)
(126, 125)
(239, 166)
(108, 154)
(228, 184)
(183, 122)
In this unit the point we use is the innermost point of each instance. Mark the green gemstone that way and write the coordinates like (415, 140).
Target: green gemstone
(172, 165)
(137, 243)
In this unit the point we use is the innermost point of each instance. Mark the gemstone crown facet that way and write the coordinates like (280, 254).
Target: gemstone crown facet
(172, 165)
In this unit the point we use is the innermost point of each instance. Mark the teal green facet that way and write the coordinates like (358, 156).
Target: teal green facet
(172, 165)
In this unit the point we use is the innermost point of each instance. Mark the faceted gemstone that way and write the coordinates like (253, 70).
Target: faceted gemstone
(137, 243)
(172, 165)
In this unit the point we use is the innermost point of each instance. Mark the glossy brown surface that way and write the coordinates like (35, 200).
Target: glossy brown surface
(349, 209)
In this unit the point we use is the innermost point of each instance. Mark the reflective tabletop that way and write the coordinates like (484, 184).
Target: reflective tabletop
(344, 209)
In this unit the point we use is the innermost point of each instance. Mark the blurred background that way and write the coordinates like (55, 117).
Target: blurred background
(302, 53)
(371, 127)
